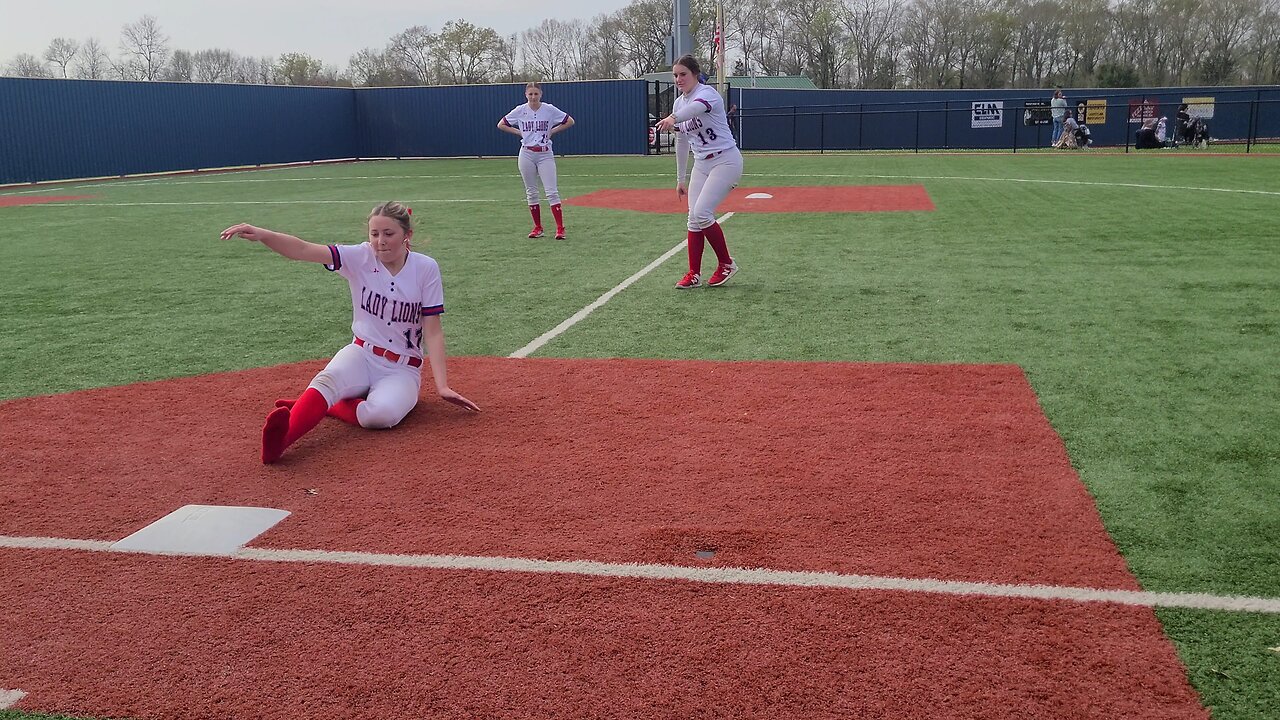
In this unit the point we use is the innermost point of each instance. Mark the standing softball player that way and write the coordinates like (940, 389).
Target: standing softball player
(534, 123)
(700, 123)
(396, 298)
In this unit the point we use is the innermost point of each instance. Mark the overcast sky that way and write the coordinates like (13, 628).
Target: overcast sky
(331, 30)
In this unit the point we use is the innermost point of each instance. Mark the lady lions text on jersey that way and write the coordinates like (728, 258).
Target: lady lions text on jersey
(388, 309)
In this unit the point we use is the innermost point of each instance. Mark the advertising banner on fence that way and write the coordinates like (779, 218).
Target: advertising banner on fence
(1199, 107)
(1036, 113)
(987, 114)
(1092, 112)
(1141, 110)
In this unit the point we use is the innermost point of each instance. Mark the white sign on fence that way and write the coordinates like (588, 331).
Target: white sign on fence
(988, 114)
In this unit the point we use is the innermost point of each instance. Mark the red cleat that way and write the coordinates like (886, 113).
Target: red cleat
(536, 233)
(560, 234)
(273, 435)
(723, 273)
(689, 281)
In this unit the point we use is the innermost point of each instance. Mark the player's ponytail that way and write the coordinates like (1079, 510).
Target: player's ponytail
(396, 211)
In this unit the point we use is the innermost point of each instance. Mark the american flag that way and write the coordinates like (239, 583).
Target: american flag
(717, 46)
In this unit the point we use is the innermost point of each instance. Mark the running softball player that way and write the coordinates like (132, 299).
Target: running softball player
(698, 117)
(534, 123)
(396, 298)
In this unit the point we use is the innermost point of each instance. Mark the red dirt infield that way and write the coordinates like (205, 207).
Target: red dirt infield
(19, 201)
(943, 471)
(814, 198)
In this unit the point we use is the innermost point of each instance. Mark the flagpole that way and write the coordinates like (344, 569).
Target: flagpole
(720, 47)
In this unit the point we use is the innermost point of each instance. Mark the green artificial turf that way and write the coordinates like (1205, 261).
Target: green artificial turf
(1139, 292)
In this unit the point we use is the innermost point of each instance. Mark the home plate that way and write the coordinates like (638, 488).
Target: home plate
(202, 530)
(759, 196)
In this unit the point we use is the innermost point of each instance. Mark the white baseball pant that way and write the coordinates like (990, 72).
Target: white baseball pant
(390, 389)
(709, 184)
(536, 166)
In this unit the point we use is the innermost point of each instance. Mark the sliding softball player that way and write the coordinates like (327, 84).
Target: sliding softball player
(396, 298)
(535, 122)
(702, 127)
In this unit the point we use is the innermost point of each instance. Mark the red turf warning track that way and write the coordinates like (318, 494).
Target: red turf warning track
(817, 198)
(920, 471)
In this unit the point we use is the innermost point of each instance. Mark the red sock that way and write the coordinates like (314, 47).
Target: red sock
(285, 425)
(536, 212)
(555, 210)
(695, 251)
(345, 410)
(715, 236)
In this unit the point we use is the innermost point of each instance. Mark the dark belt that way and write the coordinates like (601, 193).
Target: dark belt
(392, 356)
(535, 148)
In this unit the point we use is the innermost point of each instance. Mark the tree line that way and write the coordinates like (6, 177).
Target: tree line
(836, 43)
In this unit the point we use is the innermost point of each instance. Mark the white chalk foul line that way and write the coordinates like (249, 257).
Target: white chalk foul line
(719, 576)
(574, 319)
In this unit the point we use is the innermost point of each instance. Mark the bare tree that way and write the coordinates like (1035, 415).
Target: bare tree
(379, 68)
(550, 49)
(1263, 49)
(932, 42)
(179, 68)
(1037, 42)
(28, 65)
(253, 71)
(504, 58)
(819, 31)
(643, 27)
(462, 52)
(603, 57)
(1226, 28)
(1085, 30)
(61, 52)
(213, 66)
(302, 69)
(92, 62)
(414, 48)
(144, 42)
(872, 26)
(747, 24)
(126, 68)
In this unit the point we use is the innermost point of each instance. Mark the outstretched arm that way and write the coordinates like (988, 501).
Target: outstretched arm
(287, 245)
(434, 332)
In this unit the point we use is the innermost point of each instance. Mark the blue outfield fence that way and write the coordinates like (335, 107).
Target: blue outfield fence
(63, 129)
(461, 120)
(59, 129)
(773, 119)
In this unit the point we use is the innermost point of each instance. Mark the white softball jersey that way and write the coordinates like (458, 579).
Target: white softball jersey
(387, 310)
(701, 117)
(535, 125)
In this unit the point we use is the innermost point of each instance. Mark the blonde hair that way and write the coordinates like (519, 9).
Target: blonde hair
(396, 211)
(532, 84)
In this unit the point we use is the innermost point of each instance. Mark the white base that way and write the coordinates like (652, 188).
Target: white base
(203, 530)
